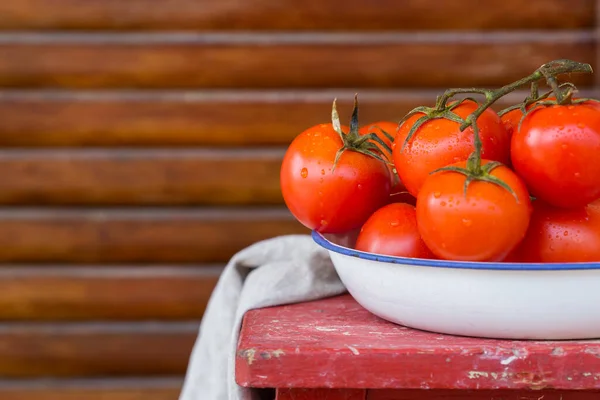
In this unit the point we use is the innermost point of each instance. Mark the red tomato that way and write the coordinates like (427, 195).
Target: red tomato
(556, 153)
(486, 225)
(331, 202)
(562, 235)
(511, 120)
(439, 142)
(390, 128)
(376, 127)
(392, 230)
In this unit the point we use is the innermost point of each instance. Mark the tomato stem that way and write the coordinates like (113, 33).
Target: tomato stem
(353, 141)
(474, 170)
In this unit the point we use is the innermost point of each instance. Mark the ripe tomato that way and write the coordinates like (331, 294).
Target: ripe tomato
(484, 225)
(511, 120)
(556, 153)
(390, 128)
(562, 235)
(331, 202)
(439, 142)
(392, 230)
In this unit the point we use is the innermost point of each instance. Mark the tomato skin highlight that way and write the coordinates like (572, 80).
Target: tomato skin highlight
(440, 142)
(556, 153)
(331, 202)
(392, 230)
(562, 235)
(486, 225)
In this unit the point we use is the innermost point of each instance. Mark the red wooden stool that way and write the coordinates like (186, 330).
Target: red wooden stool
(334, 349)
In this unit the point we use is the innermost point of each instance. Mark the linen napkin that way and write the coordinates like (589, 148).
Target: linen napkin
(281, 270)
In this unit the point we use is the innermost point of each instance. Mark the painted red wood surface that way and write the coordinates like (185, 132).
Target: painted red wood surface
(391, 394)
(335, 343)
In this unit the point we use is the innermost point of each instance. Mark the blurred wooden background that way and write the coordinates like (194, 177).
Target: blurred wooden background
(140, 149)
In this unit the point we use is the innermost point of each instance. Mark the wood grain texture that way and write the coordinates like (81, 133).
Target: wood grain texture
(153, 388)
(192, 118)
(95, 349)
(335, 343)
(98, 292)
(310, 14)
(482, 395)
(136, 235)
(141, 177)
(184, 118)
(273, 61)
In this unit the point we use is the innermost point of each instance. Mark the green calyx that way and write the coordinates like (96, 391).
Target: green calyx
(535, 100)
(430, 113)
(353, 141)
(474, 171)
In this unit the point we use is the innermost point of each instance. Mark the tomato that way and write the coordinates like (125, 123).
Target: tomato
(556, 152)
(511, 120)
(484, 225)
(439, 142)
(398, 189)
(331, 201)
(562, 235)
(392, 230)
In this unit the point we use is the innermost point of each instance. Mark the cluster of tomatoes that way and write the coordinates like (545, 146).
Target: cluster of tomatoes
(419, 189)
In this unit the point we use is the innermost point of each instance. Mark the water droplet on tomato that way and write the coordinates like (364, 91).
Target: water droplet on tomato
(437, 194)
(443, 245)
(576, 174)
(324, 223)
(394, 223)
(317, 134)
(304, 172)
(566, 233)
(580, 125)
(564, 146)
(467, 222)
(570, 107)
(359, 186)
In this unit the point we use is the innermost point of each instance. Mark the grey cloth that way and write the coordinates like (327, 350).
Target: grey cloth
(282, 270)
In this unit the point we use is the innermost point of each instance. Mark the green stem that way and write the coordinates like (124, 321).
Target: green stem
(548, 71)
(474, 170)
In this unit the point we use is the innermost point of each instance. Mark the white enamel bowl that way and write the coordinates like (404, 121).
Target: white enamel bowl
(492, 300)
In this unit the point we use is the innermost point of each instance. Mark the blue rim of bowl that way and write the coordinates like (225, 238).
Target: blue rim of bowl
(421, 262)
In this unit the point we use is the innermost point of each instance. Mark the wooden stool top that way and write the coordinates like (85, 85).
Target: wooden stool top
(335, 343)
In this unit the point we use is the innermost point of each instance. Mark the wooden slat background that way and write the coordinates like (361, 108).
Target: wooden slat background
(140, 144)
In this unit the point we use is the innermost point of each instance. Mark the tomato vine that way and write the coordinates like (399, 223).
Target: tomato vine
(474, 171)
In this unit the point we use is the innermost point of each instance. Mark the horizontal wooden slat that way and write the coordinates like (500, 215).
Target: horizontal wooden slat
(282, 60)
(100, 292)
(192, 118)
(141, 177)
(288, 14)
(153, 388)
(183, 118)
(95, 349)
(136, 236)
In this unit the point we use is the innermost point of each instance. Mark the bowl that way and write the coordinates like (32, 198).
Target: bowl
(541, 301)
